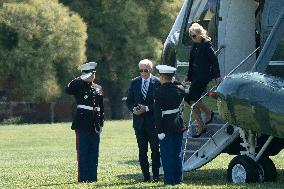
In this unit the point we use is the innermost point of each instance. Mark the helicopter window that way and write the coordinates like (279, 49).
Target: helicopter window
(276, 64)
(204, 13)
(279, 52)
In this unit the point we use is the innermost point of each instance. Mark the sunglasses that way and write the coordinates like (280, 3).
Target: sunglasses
(144, 70)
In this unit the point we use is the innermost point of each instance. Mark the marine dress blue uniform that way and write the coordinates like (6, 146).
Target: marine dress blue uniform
(169, 123)
(87, 122)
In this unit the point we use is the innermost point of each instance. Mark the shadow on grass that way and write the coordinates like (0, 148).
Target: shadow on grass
(136, 178)
(198, 177)
(56, 184)
(89, 184)
(206, 177)
(130, 162)
(202, 177)
(129, 181)
(209, 177)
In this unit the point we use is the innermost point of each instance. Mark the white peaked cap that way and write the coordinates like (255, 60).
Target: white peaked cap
(87, 66)
(166, 69)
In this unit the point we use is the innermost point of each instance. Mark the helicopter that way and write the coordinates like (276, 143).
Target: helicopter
(249, 36)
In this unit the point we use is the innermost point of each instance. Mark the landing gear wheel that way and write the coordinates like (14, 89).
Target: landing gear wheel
(267, 169)
(242, 169)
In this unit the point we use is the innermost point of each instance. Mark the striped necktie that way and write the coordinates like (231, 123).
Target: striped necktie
(144, 89)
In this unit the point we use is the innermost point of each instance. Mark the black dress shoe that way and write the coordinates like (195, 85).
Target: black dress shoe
(146, 180)
(156, 179)
(199, 134)
(211, 118)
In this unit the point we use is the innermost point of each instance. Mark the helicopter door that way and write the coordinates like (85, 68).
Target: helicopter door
(203, 12)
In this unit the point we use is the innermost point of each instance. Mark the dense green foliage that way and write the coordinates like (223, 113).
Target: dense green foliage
(44, 156)
(41, 44)
(120, 34)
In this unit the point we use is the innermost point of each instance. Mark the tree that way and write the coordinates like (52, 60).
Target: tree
(161, 15)
(41, 44)
(120, 33)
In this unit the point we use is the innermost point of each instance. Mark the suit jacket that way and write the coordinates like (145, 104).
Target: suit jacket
(88, 94)
(203, 63)
(135, 97)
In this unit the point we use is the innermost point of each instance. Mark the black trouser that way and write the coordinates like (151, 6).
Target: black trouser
(145, 136)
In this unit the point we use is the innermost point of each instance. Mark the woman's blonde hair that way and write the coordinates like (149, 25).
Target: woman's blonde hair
(197, 29)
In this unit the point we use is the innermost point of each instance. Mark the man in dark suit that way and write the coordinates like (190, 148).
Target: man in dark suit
(140, 102)
(88, 121)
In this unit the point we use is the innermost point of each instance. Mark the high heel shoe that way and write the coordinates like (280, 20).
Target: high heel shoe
(199, 134)
(211, 118)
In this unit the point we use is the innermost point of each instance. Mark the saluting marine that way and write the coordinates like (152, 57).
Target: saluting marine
(87, 121)
(169, 123)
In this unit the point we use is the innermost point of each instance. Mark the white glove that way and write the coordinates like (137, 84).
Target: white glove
(161, 136)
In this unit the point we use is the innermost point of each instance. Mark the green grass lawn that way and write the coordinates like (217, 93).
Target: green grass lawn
(44, 156)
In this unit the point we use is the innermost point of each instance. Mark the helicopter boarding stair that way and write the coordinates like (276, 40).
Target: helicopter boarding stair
(199, 151)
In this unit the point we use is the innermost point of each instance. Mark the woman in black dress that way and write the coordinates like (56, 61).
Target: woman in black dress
(203, 67)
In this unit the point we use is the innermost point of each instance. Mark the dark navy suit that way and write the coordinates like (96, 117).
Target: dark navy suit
(144, 125)
(89, 117)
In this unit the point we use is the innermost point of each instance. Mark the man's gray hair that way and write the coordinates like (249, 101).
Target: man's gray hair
(146, 62)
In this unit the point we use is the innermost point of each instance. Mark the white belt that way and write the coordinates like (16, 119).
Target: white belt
(89, 107)
(85, 107)
(170, 111)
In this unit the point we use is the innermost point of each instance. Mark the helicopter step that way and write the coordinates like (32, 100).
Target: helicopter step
(199, 151)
